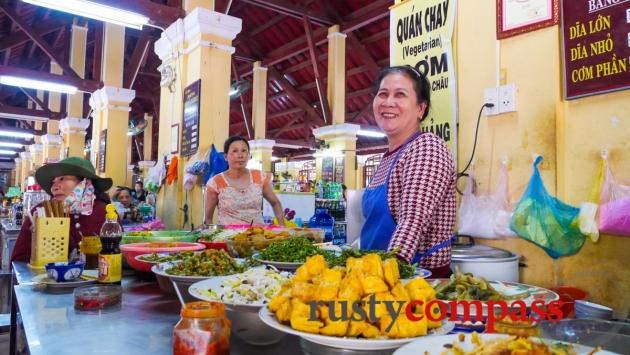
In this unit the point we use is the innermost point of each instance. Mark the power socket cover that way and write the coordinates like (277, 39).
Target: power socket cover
(491, 96)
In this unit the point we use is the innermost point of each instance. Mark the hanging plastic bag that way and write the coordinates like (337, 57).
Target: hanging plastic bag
(218, 164)
(546, 221)
(198, 164)
(485, 216)
(189, 181)
(614, 209)
(171, 175)
(588, 209)
(155, 177)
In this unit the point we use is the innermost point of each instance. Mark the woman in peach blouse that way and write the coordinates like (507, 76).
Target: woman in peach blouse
(238, 192)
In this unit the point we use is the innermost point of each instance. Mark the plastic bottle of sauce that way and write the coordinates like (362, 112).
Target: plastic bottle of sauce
(203, 330)
(110, 258)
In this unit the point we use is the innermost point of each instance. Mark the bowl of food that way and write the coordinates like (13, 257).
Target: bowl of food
(255, 239)
(130, 251)
(97, 298)
(65, 271)
(197, 267)
(215, 238)
(158, 236)
(243, 295)
(148, 260)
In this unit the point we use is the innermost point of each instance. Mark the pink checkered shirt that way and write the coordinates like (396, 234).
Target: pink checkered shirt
(421, 198)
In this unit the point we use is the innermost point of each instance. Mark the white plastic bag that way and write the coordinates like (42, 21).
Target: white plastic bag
(199, 163)
(614, 205)
(486, 216)
(155, 176)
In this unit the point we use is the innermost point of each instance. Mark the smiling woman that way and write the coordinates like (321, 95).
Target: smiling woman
(409, 204)
(239, 191)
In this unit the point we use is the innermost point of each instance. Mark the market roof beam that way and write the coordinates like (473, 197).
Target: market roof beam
(161, 15)
(17, 38)
(39, 40)
(247, 119)
(81, 84)
(379, 9)
(323, 98)
(36, 100)
(294, 95)
(137, 57)
(292, 10)
(364, 54)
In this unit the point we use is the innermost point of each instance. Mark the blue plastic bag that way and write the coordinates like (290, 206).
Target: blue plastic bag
(218, 164)
(546, 221)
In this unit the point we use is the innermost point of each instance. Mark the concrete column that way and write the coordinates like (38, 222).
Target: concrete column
(261, 151)
(337, 74)
(52, 148)
(190, 5)
(342, 139)
(26, 168)
(17, 172)
(73, 131)
(199, 47)
(78, 45)
(259, 102)
(111, 104)
(147, 148)
(37, 155)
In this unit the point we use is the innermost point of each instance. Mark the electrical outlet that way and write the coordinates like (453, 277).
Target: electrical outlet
(491, 96)
(507, 98)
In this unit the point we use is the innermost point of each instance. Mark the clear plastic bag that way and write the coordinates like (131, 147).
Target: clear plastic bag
(485, 216)
(614, 205)
(588, 209)
(155, 176)
(198, 164)
(546, 221)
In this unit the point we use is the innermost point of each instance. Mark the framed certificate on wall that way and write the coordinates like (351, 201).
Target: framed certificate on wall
(175, 138)
(516, 17)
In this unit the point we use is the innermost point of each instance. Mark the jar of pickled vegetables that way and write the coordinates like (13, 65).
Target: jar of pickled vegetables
(203, 329)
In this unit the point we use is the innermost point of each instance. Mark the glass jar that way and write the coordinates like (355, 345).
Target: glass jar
(203, 329)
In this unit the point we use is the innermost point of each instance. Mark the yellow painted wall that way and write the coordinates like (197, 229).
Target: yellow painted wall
(569, 135)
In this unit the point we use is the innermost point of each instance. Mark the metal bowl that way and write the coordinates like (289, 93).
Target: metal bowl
(249, 327)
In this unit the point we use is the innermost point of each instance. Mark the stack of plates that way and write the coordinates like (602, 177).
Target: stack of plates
(584, 309)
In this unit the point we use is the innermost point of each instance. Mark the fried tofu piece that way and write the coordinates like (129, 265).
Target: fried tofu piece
(417, 283)
(350, 289)
(355, 328)
(373, 284)
(305, 291)
(315, 264)
(328, 285)
(372, 265)
(425, 294)
(400, 293)
(370, 331)
(300, 318)
(391, 272)
(281, 306)
(336, 328)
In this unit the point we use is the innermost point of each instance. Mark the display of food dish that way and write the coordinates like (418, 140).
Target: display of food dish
(130, 251)
(97, 298)
(65, 271)
(359, 280)
(159, 236)
(255, 239)
(490, 344)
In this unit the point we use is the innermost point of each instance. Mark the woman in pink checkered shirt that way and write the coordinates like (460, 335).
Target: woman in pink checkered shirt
(409, 204)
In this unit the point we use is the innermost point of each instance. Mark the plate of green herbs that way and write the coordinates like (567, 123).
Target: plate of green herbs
(289, 254)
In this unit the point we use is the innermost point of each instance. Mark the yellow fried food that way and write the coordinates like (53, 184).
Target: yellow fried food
(304, 291)
(300, 318)
(328, 285)
(282, 307)
(373, 284)
(391, 272)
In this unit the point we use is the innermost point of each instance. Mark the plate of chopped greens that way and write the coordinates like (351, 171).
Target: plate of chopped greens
(289, 254)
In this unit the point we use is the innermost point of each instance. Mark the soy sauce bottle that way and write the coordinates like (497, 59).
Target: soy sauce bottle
(110, 258)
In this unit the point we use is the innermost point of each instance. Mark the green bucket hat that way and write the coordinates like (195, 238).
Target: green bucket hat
(71, 166)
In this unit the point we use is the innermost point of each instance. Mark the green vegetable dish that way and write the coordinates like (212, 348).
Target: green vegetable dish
(207, 263)
(296, 250)
(467, 287)
(162, 258)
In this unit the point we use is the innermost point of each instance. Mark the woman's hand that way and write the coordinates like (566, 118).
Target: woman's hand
(271, 197)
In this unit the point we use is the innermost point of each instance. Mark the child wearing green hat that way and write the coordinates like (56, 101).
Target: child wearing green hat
(73, 181)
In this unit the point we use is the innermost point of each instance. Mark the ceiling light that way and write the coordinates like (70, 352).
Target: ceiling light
(7, 152)
(328, 154)
(275, 158)
(290, 146)
(95, 11)
(17, 116)
(14, 134)
(370, 133)
(37, 84)
(10, 145)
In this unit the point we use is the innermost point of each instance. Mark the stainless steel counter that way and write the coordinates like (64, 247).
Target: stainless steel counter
(143, 325)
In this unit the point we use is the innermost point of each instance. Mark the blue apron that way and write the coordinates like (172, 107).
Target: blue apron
(379, 223)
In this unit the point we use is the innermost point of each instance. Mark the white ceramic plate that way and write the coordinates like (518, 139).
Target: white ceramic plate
(511, 288)
(280, 265)
(348, 343)
(435, 345)
(86, 278)
(424, 273)
(200, 290)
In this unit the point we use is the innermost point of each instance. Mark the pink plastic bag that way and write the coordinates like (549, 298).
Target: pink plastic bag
(614, 205)
(486, 216)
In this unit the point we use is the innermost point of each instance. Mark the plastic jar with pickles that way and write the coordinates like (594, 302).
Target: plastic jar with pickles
(203, 329)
